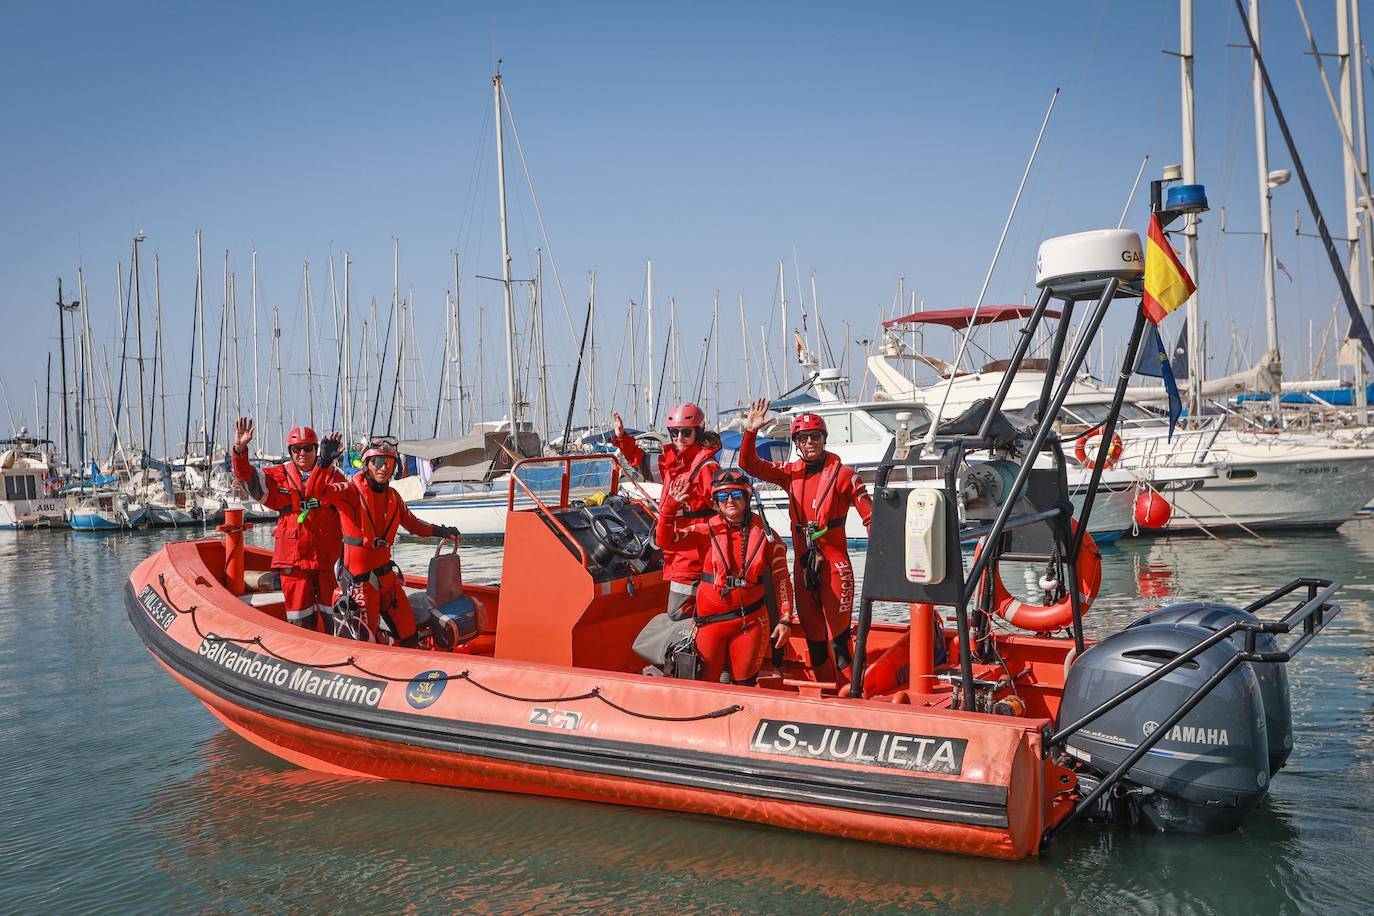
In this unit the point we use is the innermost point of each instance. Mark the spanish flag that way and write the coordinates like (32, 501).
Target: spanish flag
(1167, 284)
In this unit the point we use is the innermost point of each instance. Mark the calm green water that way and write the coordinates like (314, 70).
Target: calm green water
(121, 793)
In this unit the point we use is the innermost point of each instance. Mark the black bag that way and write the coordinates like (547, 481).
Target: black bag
(684, 663)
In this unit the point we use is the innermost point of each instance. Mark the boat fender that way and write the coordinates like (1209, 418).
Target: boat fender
(1090, 442)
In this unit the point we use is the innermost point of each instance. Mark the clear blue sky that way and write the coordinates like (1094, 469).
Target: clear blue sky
(861, 143)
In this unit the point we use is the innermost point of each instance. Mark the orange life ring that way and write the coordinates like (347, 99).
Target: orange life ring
(1041, 618)
(1080, 449)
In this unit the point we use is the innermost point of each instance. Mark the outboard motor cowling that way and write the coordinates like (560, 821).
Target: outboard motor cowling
(1272, 676)
(1211, 769)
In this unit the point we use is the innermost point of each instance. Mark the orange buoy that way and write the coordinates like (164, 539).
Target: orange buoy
(1152, 510)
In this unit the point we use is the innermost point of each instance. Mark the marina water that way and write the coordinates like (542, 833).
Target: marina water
(122, 793)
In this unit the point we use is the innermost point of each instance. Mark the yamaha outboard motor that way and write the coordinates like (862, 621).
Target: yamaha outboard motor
(1210, 770)
(1273, 677)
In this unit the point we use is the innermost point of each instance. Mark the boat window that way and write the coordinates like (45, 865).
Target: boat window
(1093, 414)
(12, 489)
(33, 486)
(863, 431)
(837, 427)
(887, 416)
(1241, 473)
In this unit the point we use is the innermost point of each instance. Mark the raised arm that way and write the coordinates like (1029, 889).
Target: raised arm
(252, 478)
(626, 443)
(749, 459)
(666, 531)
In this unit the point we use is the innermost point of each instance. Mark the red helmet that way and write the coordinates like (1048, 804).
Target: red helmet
(381, 448)
(730, 479)
(807, 422)
(302, 435)
(685, 415)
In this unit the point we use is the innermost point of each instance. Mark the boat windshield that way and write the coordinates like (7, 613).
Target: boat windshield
(1093, 414)
(888, 416)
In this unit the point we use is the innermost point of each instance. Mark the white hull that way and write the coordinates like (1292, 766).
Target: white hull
(1268, 488)
(31, 513)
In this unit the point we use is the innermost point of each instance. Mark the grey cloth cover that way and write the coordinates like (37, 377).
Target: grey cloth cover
(659, 636)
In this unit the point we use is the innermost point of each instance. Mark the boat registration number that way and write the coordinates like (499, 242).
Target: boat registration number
(863, 746)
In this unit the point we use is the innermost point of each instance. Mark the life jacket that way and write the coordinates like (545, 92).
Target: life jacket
(684, 565)
(312, 543)
(671, 465)
(734, 581)
(823, 514)
(368, 536)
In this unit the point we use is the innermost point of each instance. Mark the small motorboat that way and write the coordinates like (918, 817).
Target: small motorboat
(954, 735)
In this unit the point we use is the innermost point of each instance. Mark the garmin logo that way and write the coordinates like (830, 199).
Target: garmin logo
(1131, 256)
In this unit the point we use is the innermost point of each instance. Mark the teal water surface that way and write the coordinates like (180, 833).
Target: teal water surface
(122, 793)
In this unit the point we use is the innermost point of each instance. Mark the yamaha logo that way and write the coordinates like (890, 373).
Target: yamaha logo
(1150, 728)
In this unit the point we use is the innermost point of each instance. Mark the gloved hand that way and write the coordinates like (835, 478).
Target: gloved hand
(330, 449)
(446, 531)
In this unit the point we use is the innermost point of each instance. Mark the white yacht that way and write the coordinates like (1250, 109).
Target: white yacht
(1262, 479)
(860, 433)
(27, 468)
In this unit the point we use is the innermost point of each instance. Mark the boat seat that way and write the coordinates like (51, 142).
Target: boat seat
(263, 599)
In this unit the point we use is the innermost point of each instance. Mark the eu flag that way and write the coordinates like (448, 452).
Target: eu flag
(1154, 362)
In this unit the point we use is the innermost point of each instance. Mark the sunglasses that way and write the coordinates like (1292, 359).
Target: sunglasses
(381, 461)
(308, 447)
(812, 436)
(730, 496)
(685, 432)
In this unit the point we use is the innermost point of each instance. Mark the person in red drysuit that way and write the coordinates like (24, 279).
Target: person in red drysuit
(820, 489)
(371, 513)
(307, 539)
(685, 455)
(738, 555)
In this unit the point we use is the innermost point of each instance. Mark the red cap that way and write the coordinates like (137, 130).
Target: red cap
(807, 422)
(686, 415)
(302, 435)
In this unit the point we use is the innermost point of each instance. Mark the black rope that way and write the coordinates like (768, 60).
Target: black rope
(593, 694)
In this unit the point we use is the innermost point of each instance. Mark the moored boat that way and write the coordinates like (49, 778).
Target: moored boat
(953, 735)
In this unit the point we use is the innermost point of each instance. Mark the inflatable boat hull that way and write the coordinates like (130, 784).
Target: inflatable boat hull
(869, 770)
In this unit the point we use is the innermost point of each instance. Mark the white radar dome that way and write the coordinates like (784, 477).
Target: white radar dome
(1085, 257)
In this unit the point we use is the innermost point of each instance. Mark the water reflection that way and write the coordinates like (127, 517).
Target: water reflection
(123, 793)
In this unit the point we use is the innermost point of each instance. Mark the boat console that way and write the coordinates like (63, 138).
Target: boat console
(581, 574)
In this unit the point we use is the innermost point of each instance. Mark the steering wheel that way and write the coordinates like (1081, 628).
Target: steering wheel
(617, 537)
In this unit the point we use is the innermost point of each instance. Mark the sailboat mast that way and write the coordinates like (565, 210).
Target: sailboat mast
(782, 291)
(541, 348)
(159, 366)
(715, 329)
(253, 304)
(1354, 264)
(653, 363)
(204, 370)
(1197, 358)
(744, 344)
(309, 344)
(345, 380)
(816, 314)
(458, 347)
(138, 334)
(1271, 313)
(62, 350)
(591, 360)
(676, 348)
(276, 358)
(505, 260)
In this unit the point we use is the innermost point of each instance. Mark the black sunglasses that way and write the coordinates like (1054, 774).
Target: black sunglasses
(686, 431)
(307, 447)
